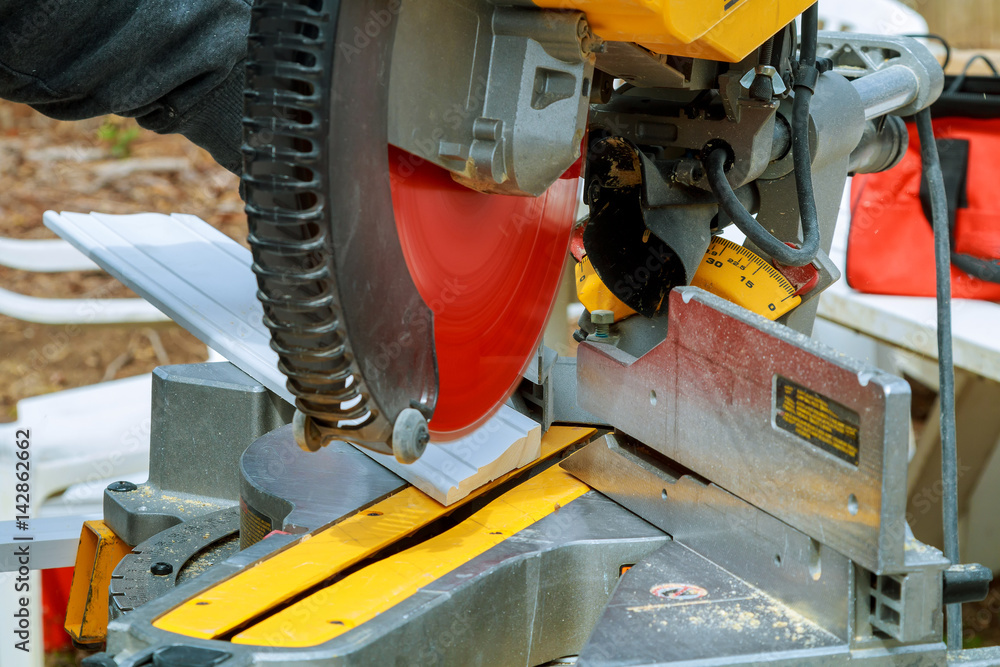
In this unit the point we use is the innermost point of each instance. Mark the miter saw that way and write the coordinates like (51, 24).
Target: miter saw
(728, 490)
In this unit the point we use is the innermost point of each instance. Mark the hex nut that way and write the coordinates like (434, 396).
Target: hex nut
(602, 317)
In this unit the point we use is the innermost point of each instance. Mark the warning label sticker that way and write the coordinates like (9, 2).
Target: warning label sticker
(817, 419)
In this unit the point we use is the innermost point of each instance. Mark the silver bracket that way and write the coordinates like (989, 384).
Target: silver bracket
(893, 74)
(548, 392)
(497, 95)
(813, 438)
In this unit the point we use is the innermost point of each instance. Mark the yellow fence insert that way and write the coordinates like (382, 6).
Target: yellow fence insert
(301, 566)
(363, 595)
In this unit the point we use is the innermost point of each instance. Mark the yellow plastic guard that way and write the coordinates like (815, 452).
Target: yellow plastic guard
(99, 552)
(595, 295)
(361, 596)
(739, 275)
(307, 563)
(713, 29)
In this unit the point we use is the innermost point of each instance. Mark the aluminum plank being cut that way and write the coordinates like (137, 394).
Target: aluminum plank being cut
(189, 270)
(202, 280)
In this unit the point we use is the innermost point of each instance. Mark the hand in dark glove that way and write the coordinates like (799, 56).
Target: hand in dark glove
(176, 66)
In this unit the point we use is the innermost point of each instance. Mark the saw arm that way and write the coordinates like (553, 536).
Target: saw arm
(412, 171)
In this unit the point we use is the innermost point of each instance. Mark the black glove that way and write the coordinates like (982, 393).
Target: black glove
(176, 66)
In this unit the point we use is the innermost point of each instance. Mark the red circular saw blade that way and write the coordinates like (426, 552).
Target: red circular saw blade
(489, 267)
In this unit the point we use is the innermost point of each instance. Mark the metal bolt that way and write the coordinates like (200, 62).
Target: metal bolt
(589, 42)
(122, 487)
(688, 172)
(161, 569)
(602, 321)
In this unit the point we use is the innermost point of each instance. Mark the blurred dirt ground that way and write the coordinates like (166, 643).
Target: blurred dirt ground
(108, 165)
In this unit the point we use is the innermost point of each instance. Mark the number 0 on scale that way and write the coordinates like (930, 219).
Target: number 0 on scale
(745, 278)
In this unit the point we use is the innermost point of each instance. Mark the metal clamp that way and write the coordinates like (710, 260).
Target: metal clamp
(893, 74)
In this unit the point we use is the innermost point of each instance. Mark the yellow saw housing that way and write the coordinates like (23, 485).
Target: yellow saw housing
(725, 30)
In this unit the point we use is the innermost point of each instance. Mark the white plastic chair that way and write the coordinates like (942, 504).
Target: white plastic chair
(44, 256)
(878, 17)
(79, 439)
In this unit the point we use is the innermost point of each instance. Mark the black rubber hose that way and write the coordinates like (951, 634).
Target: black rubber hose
(984, 269)
(946, 363)
(715, 168)
(956, 85)
(801, 158)
(810, 36)
(801, 151)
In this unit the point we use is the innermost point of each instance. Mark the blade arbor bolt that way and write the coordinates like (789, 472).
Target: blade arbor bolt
(602, 321)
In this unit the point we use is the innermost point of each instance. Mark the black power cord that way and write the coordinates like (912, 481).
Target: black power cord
(956, 85)
(937, 38)
(984, 269)
(946, 362)
(715, 164)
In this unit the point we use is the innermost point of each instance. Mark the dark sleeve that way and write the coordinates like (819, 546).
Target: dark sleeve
(176, 66)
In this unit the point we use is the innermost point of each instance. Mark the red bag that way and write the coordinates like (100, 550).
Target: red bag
(891, 244)
(55, 598)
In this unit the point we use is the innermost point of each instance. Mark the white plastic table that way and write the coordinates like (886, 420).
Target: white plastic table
(910, 323)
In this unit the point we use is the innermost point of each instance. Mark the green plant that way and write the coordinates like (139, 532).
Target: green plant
(118, 137)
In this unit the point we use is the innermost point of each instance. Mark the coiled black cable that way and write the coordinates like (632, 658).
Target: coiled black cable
(715, 169)
(801, 158)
